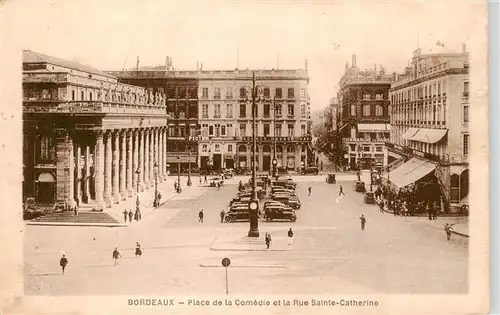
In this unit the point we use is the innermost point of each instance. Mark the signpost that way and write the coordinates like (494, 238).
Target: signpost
(225, 263)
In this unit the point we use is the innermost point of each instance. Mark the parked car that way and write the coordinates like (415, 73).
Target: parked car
(239, 213)
(310, 170)
(360, 186)
(279, 212)
(330, 178)
(228, 173)
(369, 197)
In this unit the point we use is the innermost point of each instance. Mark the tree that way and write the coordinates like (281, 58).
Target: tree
(330, 143)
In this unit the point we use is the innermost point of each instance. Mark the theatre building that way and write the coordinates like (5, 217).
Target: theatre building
(88, 139)
(430, 126)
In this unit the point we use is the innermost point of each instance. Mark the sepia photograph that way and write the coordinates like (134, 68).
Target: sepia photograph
(298, 157)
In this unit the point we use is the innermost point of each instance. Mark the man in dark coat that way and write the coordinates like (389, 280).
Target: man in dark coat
(200, 216)
(125, 215)
(290, 237)
(63, 262)
(116, 255)
(363, 222)
(130, 215)
(222, 215)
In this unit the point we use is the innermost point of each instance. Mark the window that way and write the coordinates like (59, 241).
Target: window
(243, 130)
(90, 96)
(230, 130)
(303, 130)
(439, 88)
(353, 110)
(379, 96)
(278, 93)
(303, 93)
(266, 92)
(229, 148)
(243, 93)
(466, 144)
(266, 109)
(204, 110)
(217, 147)
(291, 132)
(278, 130)
(73, 95)
(291, 93)
(303, 110)
(46, 148)
(204, 148)
(379, 110)
(352, 147)
(290, 109)
(256, 109)
(366, 148)
(204, 130)
(217, 111)
(466, 113)
(204, 93)
(266, 130)
(216, 93)
(466, 88)
(366, 110)
(83, 96)
(229, 93)
(171, 131)
(378, 149)
(210, 130)
(278, 109)
(217, 130)
(243, 110)
(223, 130)
(229, 110)
(182, 131)
(366, 96)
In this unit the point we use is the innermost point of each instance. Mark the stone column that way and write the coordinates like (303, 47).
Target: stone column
(140, 159)
(99, 172)
(78, 179)
(152, 152)
(164, 145)
(123, 164)
(64, 167)
(130, 172)
(163, 151)
(260, 166)
(86, 174)
(108, 167)
(146, 157)
(135, 159)
(116, 167)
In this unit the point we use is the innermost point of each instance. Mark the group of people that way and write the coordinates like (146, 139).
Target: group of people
(404, 203)
(130, 215)
(116, 255)
(268, 238)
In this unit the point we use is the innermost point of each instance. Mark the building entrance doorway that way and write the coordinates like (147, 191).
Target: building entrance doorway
(45, 193)
(266, 163)
(217, 162)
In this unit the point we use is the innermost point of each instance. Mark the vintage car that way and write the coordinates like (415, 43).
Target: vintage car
(291, 201)
(330, 178)
(279, 212)
(369, 197)
(310, 170)
(228, 173)
(240, 213)
(272, 203)
(360, 186)
(244, 198)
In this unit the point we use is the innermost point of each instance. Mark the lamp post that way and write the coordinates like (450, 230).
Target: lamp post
(155, 173)
(189, 183)
(254, 203)
(275, 161)
(137, 202)
(178, 173)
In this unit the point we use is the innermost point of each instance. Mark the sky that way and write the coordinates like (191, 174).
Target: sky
(111, 34)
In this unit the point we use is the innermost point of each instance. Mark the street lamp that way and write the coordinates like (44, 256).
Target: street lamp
(179, 174)
(254, 203)
(155, 172)
(189, 183)
(275, 161)
(137, 202)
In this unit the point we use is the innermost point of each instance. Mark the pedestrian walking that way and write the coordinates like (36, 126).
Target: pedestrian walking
(206, 182)
(75, 209)
(63, 262)
(290, 237)
(222, 215)
(125, 215)
(130, 215)
(268, 240)
(200, 179)
(363, 222)
(381, 205)
(310, 190)
(138, 250)
(200, 216)
(448, 229)
(116, 255)
(341, 191)
(139, 215)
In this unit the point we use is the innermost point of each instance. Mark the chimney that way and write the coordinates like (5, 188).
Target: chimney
(306, 63)
(464, 48)
(353, 60)
(137, 64)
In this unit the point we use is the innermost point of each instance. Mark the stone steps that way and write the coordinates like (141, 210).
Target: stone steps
(82, 218)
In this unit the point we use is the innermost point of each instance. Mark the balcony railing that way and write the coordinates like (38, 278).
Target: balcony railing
(93, 107)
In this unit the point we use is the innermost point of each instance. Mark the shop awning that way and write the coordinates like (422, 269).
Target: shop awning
(183, 159)
(410, 133)
(429, 135)
(410, 172)
(374, 127)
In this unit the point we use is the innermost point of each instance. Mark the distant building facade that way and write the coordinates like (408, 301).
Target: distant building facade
(363, 115)
(430, 122)
(88, 139)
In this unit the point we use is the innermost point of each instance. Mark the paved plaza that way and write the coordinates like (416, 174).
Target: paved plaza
(395, 255)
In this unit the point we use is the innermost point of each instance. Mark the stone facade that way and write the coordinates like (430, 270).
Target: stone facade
(83, 135)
